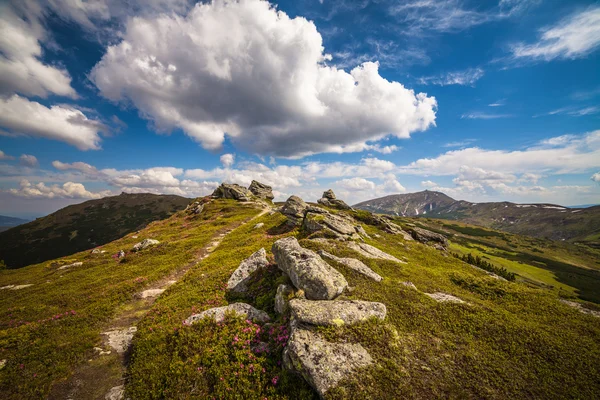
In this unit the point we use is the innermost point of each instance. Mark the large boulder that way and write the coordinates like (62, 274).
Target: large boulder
(317, 219)
(335, 313)
(261, 190)
(282, 298)
(428, 237)
(307, 270)
(232, 191)
(372, 252)
(218, 313)
(330, 200)
(239, 279)
(144, 244)
(294, 209)
(353, 264)
(323, 364)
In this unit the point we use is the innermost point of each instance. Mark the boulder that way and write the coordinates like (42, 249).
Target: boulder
(444, 297)
(428, 237)
(96, 251)
(353, 264)
(307, 270)
(329, 200)
(259, 225)
(361, 231)
(232, 191)
(120, 339)
(329, 195)
(372, 252)
(218, 313)
(239, 279)
(323, 364)
(261, 190)
(335, 313)
(144, 244)
(293, 209)
(120, 254)
(317, 219)
(282, 298)
(198, 209)
(75, 264)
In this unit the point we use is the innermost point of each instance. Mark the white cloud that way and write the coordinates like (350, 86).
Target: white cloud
(429, 184)
(573, 37)
(21, 70)
(69, 190)
(276, 95)
(78, 166)
(467, 77)
(4, 156)
(483, 115)
(59, 122)
(28, 160)
(391, 185)
(596, 177)
(356, 184)
(460, 143)
(227, 160)
(573, 111)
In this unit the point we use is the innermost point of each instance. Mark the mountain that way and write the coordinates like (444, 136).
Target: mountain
(9, 222)
(548, 221)
(409, 320)
(84, 226)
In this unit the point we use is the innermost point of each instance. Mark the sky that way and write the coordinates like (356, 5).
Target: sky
(483, 100)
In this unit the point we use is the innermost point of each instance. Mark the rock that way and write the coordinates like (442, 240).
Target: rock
(261, 190)
(428, 237)
(2, 363)
(144, 244)
(409, 284)
(444, 297)
(259, 225)
(328, 194)
(75, 264)
(321, 363)
(372, 252)
(120, 339)
(16, 287)
(151, 293)
(307, 270)
(293, 209)
(390, 227)
(329, 200)
(353, 264)
(218, 313)
(361, 231)
(120, 254)
(101, 351)
(115, 393)
(96, 251)
(239, 279)
(317, 220)
(232, 191)
(282, 298)
(198, 209)
(335, 313)
(581, 308)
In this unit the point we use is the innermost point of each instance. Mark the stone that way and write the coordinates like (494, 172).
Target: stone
(307, 270)
(75, 264)
(120, 339)
(353, 264)
(259, 225)
(321, 363)
(239, 279)
(428, 237)
(444, 297)
(144, 244)
(372, 252)
(293, 209)
(261, 190)
(317, 220)
(330, 200)
(232, 191)
(96, 251)
(115, 393)
(16, 287)
(218, 313)
(329, 195)
(149, 293)
(198, 209)
(581, 308)
(335, 313)
(2, 363)
(361, 231)
(409, 285)
(282, 298)
(101, 351)
(120, 254)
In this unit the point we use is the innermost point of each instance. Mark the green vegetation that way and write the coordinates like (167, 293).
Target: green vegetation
(481, 263)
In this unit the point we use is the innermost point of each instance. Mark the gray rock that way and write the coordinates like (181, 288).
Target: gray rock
(307, 270)
(428, 237)
(239, 279)
(198, 209)
(372, 252)
(353, 264)
(329, 195)
(293, 209)
(218, 313)
(16, 287)
(261, 190)
(581, 308)
(150, 293)
(282, 298)
(115, 393)
(75, 264)
(144, 244)
(232, 191)
(318, 220)
(409, 285)
(120, 254)
(444, 297)
(335, 313)
(96, 251)
(361, 231)
(323, 364)
(120, 339)
(259, 225)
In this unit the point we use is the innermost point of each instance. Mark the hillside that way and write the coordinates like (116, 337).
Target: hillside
(8, 222)
(93, 324)
(84, 226)
(548, 221)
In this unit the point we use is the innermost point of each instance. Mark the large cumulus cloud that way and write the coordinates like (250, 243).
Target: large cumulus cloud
(246, 70)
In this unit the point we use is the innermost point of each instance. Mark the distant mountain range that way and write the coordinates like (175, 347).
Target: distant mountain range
(8, 222)
(84, 226)
(549, 221)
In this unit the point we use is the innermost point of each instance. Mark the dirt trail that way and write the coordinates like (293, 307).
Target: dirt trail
(103, 376)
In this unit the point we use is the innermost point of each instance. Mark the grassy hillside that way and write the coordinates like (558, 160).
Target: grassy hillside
(509, 340)
(84, 226)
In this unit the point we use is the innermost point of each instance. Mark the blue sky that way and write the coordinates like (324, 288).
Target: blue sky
(483, 100)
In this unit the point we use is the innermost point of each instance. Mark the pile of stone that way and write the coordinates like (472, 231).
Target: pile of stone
(328, 199)
(240, 193)
(261, 190)
(433, 239)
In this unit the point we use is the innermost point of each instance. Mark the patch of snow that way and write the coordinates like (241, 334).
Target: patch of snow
(416, 211)
(576, 211)
(525, 205)
(554, 207)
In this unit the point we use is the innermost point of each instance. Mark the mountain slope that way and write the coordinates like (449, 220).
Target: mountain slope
(549, 221)
(84, 226)
(8, 222)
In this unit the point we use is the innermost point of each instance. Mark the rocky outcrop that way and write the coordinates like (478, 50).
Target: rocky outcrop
(294, 209)
(323, 364)
(444, 297)
(218, 313)
(120, 339)
(316, 219)
(144, 244)
(372, 252)
(261, 190)
(330, 200)
(232, 191)
(428, 237)
(307, 270)
(239, 279)
(75, 264)
(353, 264)
(282, 298)
(16, 287)
(335, 313)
